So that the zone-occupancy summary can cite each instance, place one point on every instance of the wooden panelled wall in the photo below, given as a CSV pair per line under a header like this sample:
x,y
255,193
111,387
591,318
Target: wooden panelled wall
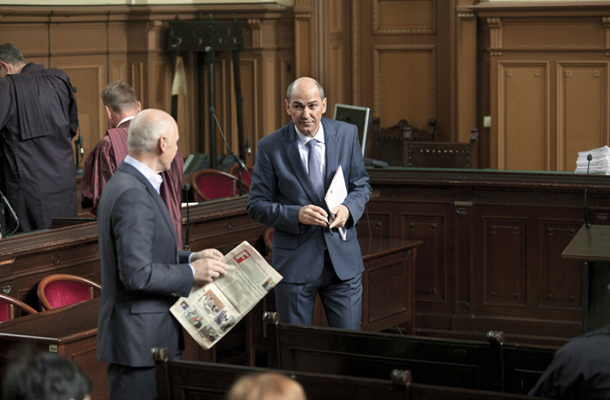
x,y
538,69
548,70
492,243
98,45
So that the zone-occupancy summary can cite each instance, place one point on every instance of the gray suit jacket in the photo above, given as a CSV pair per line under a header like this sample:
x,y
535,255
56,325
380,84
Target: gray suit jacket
x,y
142,272
281,186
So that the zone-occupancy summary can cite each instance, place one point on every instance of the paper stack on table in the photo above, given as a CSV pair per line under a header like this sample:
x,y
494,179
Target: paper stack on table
x,y
600,161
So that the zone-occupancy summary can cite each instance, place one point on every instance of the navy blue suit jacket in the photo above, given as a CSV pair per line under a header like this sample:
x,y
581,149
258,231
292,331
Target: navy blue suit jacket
x,y
142,272
281,186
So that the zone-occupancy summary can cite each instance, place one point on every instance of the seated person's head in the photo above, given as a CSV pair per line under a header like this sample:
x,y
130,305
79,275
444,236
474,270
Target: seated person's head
x,y
44,376
267,386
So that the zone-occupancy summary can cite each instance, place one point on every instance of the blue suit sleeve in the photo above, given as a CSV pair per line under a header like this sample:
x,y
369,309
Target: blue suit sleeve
x,y
263,206
135,227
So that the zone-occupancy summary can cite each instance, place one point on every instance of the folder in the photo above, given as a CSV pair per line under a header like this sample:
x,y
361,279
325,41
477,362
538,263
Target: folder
x,y
337,192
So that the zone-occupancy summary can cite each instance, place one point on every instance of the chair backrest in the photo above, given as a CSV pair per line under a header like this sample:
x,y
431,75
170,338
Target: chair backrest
x,y
389,142
442,154
246,177
60,290
8,305
212,184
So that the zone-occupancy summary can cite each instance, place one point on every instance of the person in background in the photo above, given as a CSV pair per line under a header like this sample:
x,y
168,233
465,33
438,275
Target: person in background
x,y
293,170
143,271
580,369
38,119
266,386
44,376
122,105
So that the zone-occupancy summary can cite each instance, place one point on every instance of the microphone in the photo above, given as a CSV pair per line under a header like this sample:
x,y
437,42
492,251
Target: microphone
x,y
587,222
187,246
6,204
241,164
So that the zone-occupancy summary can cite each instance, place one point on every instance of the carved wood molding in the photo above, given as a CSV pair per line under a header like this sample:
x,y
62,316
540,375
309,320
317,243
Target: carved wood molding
x,y
355,53
465,15
606,22
256,25
462,208
495,36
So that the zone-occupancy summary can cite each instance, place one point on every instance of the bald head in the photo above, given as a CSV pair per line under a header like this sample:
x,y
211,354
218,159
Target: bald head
x,y
306,82
153,139
305,103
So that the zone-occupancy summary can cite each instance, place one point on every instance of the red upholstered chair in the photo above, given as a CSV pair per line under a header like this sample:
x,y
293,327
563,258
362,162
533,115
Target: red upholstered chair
x,y
8,305
212,184
245,176
60,290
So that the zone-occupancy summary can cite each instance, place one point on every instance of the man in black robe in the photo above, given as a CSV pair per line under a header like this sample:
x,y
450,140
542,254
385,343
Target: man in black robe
x,y
38,119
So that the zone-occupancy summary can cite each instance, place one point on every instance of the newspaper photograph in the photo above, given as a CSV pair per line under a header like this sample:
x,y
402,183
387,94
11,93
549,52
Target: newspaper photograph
x,y
210,311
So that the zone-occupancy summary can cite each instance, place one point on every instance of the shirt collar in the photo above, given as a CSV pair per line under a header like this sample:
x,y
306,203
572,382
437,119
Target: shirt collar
x,y
155,179
125,120
303,139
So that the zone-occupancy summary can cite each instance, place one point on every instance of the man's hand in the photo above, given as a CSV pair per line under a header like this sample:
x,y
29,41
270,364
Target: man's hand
x,y
313,215
338,216
207,253
208,265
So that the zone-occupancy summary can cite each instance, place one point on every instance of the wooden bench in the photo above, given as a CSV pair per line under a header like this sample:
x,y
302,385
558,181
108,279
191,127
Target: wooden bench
x,y
189,380
484,365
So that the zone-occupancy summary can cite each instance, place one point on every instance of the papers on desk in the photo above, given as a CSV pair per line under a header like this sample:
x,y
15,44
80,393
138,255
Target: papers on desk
x,y
337,192
600,162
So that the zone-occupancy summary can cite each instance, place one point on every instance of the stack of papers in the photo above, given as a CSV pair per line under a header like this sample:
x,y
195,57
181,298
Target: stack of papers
x,y
600,161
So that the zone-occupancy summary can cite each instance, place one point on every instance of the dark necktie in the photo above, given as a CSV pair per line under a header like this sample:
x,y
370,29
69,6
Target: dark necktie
x,y
313,162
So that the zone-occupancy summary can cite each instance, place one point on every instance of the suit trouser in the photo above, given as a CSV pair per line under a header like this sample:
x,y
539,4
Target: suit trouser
x,y
129,383
342,300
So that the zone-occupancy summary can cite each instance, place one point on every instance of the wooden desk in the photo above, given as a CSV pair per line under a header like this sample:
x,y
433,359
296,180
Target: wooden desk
x,y
592,246
388,285
69,331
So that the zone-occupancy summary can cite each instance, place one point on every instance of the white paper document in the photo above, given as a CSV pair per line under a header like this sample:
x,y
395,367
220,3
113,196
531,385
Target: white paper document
x,y
337,192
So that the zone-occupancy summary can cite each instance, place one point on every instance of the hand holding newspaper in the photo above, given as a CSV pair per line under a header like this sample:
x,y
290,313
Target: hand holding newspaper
x,y
337,192
209,312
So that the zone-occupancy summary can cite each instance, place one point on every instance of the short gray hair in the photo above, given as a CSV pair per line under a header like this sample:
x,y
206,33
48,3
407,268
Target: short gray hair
x,y
145,130
291,86
10,54
119,96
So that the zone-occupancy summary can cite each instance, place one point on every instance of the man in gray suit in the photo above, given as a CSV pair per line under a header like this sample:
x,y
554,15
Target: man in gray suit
x,y
143,273
307,248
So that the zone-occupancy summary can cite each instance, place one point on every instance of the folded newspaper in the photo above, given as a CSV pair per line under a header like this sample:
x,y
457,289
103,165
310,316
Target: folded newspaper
x,y
209,312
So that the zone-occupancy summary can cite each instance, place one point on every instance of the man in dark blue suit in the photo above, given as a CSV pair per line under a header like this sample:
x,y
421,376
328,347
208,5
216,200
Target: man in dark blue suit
x,y
143,273
307,248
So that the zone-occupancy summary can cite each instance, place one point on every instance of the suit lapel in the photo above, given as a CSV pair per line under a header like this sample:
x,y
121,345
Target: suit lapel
x,y
153,193
331,138
294,158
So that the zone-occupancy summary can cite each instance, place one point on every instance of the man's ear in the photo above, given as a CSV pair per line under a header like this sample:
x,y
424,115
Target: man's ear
x,y
108,113
139,107
162,144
